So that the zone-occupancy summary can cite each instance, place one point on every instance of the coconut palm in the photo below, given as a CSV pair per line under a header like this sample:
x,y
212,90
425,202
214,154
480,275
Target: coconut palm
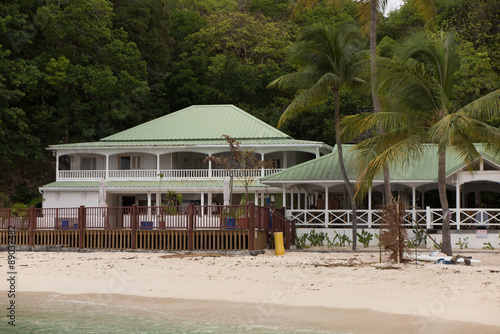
x,y
328,58
369,13
417,91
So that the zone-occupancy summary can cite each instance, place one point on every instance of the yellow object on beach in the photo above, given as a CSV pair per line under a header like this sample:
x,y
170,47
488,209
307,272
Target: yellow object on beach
x,y
278,243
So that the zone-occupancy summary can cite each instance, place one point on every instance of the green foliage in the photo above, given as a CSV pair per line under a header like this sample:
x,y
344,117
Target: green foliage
x,y
487,245
365,237
172,200
439,246
316,239
251,38
301,242
462,243
270,8
419,235
343,239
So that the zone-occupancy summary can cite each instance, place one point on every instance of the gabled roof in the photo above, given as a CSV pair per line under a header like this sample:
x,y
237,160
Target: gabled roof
x,y
201,122
326,168
201,125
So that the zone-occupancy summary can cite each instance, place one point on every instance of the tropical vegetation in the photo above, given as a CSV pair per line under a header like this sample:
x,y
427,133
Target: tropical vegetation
x,y
80,70
421,106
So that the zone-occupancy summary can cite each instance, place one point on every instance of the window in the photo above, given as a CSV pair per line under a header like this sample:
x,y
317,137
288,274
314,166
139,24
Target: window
x,y
88,164
130,162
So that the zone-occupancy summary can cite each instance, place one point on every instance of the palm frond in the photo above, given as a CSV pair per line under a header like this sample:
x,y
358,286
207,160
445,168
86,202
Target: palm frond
x,y
484,108
314,95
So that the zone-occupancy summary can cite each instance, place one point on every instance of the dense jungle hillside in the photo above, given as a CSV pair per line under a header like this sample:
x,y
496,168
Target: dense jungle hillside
x,y
80,70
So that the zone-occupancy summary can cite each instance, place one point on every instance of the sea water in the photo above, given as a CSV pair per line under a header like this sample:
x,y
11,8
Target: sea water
x,y
47,317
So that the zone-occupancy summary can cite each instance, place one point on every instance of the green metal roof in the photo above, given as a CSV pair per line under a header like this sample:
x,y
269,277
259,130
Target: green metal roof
x,y
166,143
326,167
165,185
200,122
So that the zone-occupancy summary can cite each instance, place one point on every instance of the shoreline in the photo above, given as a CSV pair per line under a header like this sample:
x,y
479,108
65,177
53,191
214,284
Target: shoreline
x,y
313,287
249,315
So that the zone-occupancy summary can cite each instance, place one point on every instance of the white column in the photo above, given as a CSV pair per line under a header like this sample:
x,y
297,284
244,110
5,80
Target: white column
x,y
256,199
299,206
209,165
149,206
285,160
457,215
262,169
414,203
317,152
284,196
209,195
107,166
57,166
202,202
370,208
158,164
326,208
291,198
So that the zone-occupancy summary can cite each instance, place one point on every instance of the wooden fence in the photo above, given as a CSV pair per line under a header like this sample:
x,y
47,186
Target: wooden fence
x,y
176,228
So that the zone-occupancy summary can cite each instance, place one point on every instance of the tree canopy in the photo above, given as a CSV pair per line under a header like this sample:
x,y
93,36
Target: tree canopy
x,y
80,70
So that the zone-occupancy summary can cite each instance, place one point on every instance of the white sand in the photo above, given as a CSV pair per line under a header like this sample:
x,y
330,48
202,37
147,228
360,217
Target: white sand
x,y
310,290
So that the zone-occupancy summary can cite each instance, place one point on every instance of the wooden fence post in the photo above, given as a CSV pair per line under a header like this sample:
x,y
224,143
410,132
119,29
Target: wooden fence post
x,y
82,220
287,234
32,223
294,232
190,226
133,225
251,227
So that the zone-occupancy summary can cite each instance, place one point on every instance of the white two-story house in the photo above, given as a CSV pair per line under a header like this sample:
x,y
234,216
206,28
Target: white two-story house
x,y
168,154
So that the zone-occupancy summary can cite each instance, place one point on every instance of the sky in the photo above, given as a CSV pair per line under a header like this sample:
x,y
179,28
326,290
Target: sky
x,y
393,4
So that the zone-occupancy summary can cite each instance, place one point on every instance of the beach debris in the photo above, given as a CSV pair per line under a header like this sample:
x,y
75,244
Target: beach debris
x,y
193,255
393,235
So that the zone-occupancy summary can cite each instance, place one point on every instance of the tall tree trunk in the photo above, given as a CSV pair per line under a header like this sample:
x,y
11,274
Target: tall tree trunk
x,y
376,101
446,238
350,189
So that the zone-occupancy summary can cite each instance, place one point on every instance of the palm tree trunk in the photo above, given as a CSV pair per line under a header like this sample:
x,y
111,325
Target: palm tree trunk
x,y
373,78
446,243
348,184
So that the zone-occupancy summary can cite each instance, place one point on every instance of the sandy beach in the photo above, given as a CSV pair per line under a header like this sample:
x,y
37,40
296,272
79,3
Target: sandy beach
x,y
332,291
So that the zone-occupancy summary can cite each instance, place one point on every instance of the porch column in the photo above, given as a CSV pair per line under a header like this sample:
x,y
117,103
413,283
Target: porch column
x,y
202,202
291,198
262,173
263,199
158,164
317,152
299,207
414,203
209,198
107,166
284,197
285,160
158,199
149,205
370,208
57,166
423,197
209,165
457,215
327,215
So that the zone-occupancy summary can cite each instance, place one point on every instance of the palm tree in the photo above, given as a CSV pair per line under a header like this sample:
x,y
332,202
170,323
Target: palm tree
x,y
328,58
417,91
369,13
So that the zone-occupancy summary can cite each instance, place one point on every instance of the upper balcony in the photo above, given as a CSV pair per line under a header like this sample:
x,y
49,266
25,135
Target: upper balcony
x,y
155,175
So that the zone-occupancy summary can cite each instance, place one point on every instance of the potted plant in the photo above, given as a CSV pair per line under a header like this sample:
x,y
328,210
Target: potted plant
x,y
170,208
